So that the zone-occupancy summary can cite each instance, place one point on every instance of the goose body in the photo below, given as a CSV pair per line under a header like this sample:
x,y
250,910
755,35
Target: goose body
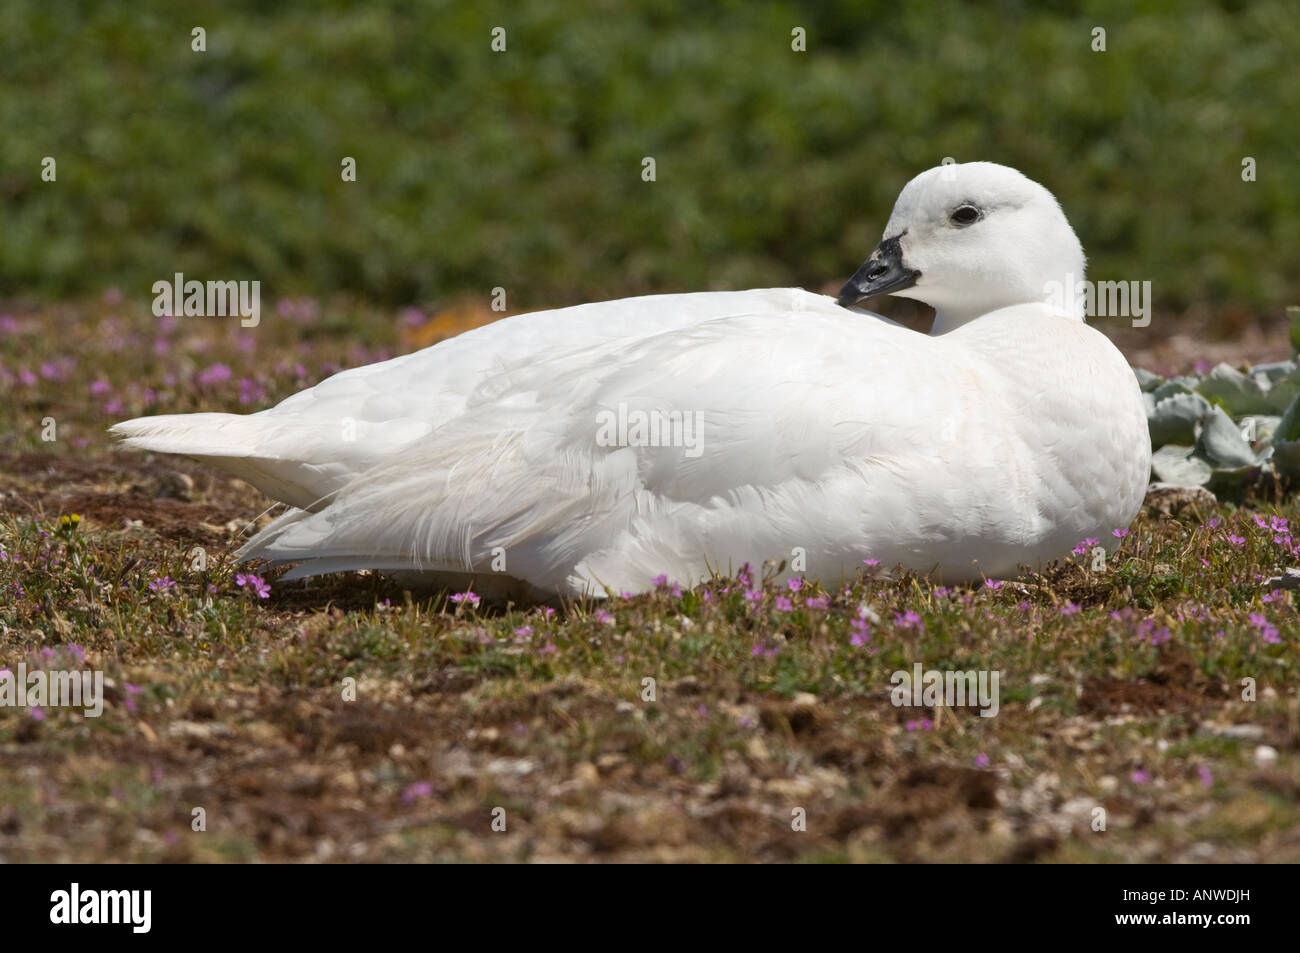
x,y
595,448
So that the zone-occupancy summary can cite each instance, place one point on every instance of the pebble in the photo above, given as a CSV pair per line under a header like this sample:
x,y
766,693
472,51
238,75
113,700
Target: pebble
x,y
1265,754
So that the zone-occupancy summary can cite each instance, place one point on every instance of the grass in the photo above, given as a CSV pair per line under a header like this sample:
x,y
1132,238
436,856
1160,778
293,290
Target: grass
x,y
346,719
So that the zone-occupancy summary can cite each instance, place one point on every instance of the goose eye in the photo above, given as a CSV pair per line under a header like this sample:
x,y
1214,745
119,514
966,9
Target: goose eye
x,y
965,215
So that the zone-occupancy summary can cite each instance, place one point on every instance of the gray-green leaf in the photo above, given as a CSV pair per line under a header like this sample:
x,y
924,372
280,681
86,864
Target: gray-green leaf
x,y
1147,381
1222,444
1174,419
1235,392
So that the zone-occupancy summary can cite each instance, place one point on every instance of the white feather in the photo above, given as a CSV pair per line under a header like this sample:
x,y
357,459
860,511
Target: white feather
x,y
826,435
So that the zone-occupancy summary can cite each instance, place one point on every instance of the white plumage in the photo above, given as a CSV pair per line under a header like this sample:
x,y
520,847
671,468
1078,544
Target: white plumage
x,y
822,435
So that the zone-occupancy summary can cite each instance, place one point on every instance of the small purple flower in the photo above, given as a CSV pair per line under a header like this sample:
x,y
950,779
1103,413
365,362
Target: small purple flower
x,y
1203,771
818,602
1160,636
794,583
416,790
1071,608
909,620
783,604
465,597
215,374
162,584
1267,631
1083,546
861,633
1140,777
1235,540
256,583
981,760
1119,533
250,391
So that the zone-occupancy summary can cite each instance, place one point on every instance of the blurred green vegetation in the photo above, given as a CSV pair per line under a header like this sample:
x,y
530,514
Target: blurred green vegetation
x,y
523,169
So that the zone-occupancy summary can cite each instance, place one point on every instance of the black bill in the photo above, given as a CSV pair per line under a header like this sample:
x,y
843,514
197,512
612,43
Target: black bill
x,y
881,274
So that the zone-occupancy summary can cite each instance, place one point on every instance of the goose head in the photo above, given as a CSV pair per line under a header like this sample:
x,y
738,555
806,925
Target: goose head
x,y
968,239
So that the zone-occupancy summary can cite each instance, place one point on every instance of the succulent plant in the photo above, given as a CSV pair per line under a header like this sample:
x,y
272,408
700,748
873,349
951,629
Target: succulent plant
x,y
1221,429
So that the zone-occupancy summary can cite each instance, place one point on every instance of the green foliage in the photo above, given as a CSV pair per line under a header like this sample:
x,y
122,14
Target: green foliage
x,y
523,168
1232,418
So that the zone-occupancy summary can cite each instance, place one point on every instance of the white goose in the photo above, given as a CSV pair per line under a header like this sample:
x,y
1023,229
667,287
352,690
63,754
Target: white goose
x,y
597,447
